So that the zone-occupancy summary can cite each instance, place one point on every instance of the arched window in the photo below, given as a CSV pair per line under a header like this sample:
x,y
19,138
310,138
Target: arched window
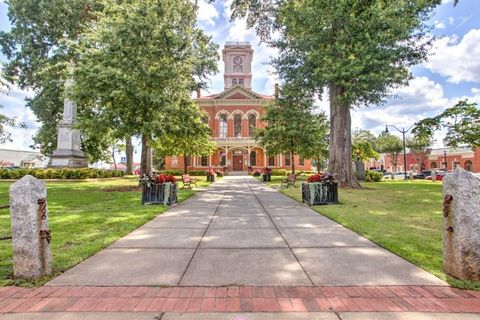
x,y
237,125
433,165
253,158
252,122
468,165
223,126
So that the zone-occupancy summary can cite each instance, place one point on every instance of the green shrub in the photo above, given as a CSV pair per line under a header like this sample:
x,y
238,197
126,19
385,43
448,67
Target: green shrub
x,y
83,173
373,176
197,173
173,172
279,172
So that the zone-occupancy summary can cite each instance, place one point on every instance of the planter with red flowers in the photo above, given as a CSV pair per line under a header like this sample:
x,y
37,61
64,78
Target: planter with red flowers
x,y
267,174
320,188
159,189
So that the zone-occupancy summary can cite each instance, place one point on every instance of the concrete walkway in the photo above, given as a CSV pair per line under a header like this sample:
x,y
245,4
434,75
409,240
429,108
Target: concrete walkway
x,y
241,233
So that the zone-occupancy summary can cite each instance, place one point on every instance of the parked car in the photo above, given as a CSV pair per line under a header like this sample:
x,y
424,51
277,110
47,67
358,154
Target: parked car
x,y
440,175
399,175
422,174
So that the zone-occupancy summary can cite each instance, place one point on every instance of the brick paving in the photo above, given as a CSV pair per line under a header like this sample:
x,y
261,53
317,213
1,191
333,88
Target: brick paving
x,y
239,299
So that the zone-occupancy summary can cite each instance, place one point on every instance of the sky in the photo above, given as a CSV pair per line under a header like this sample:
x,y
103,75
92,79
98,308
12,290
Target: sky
x,y
451,73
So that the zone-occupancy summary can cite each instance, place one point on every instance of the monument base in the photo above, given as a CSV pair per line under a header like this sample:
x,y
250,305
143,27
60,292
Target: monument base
x,y
67,159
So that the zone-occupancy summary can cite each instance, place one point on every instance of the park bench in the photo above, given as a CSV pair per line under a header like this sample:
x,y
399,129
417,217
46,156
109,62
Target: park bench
x,y
188,181
290,180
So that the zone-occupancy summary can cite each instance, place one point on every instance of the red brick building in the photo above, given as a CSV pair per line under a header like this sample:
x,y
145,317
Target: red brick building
x,y
233,115
463,157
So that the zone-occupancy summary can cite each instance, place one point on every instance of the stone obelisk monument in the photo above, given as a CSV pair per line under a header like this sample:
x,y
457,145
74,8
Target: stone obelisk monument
x,y
68,153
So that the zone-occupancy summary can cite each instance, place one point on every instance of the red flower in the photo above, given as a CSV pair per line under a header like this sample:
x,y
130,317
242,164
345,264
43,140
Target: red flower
x,y
319,177
162,178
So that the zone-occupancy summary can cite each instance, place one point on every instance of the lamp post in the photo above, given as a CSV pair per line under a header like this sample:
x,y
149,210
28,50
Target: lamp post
x,y
403,132
445,159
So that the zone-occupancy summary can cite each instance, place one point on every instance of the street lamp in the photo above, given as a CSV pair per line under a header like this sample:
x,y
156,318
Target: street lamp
x,y
403,131
445,159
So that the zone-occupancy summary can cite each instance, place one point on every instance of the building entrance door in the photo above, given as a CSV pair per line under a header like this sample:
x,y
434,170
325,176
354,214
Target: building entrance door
x,y
237,162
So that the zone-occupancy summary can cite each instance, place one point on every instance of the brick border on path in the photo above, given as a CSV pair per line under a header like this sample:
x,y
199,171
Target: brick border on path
x,y
239,299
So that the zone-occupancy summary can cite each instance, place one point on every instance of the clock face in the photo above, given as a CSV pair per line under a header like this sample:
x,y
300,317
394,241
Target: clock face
x,y
237,60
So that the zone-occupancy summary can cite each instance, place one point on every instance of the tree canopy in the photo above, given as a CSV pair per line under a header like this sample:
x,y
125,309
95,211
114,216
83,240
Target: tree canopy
x,y
391,145
359,50
292,128
461,123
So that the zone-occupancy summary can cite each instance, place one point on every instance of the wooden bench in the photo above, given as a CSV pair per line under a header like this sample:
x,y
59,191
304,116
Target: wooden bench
x,y
188,181
290,180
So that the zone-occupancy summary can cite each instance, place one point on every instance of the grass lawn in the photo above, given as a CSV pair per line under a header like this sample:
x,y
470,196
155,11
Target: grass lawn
x,y
84,218
404,217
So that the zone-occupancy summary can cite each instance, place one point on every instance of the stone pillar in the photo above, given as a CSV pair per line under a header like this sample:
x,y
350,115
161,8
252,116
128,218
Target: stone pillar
x,y
30,234
461,225
434,176
68,153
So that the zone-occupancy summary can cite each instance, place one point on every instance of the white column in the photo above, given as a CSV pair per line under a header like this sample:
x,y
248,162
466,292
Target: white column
x,y
265,158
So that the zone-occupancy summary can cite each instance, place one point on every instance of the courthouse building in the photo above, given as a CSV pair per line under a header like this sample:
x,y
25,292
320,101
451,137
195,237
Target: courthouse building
x,y
232,116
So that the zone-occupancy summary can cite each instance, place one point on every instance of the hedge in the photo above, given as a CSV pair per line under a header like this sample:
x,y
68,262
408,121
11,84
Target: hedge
x,y
83,173
197,172
373,176
174,172
279,172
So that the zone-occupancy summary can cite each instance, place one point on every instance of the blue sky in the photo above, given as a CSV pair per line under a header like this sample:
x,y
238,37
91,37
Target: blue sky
x,y
452,71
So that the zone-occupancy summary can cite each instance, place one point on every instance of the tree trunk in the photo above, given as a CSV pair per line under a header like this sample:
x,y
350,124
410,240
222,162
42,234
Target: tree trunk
x,y
129,155
146,161
113,158
185,166
340,151
292,160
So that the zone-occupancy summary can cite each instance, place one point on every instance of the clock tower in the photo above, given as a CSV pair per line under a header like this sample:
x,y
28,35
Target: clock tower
x,y
237,58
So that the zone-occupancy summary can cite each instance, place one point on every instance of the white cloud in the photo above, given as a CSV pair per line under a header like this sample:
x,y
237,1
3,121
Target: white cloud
x,y
451,20
13,102
440,25
207,12
459,61
421,98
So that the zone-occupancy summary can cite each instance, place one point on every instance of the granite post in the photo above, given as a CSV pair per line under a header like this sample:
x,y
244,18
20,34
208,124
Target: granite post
x,y
68,153
461,225
30,233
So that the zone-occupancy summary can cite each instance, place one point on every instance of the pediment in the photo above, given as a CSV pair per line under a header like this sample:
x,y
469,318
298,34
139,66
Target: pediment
x,y
237,93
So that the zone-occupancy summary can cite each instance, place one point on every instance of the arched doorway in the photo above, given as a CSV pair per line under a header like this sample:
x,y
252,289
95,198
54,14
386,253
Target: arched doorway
x,y
237,160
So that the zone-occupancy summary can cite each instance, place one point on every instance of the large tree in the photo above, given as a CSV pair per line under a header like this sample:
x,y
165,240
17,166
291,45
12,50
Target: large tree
x,y
137,63
292,128
187,135
461,123
359,50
